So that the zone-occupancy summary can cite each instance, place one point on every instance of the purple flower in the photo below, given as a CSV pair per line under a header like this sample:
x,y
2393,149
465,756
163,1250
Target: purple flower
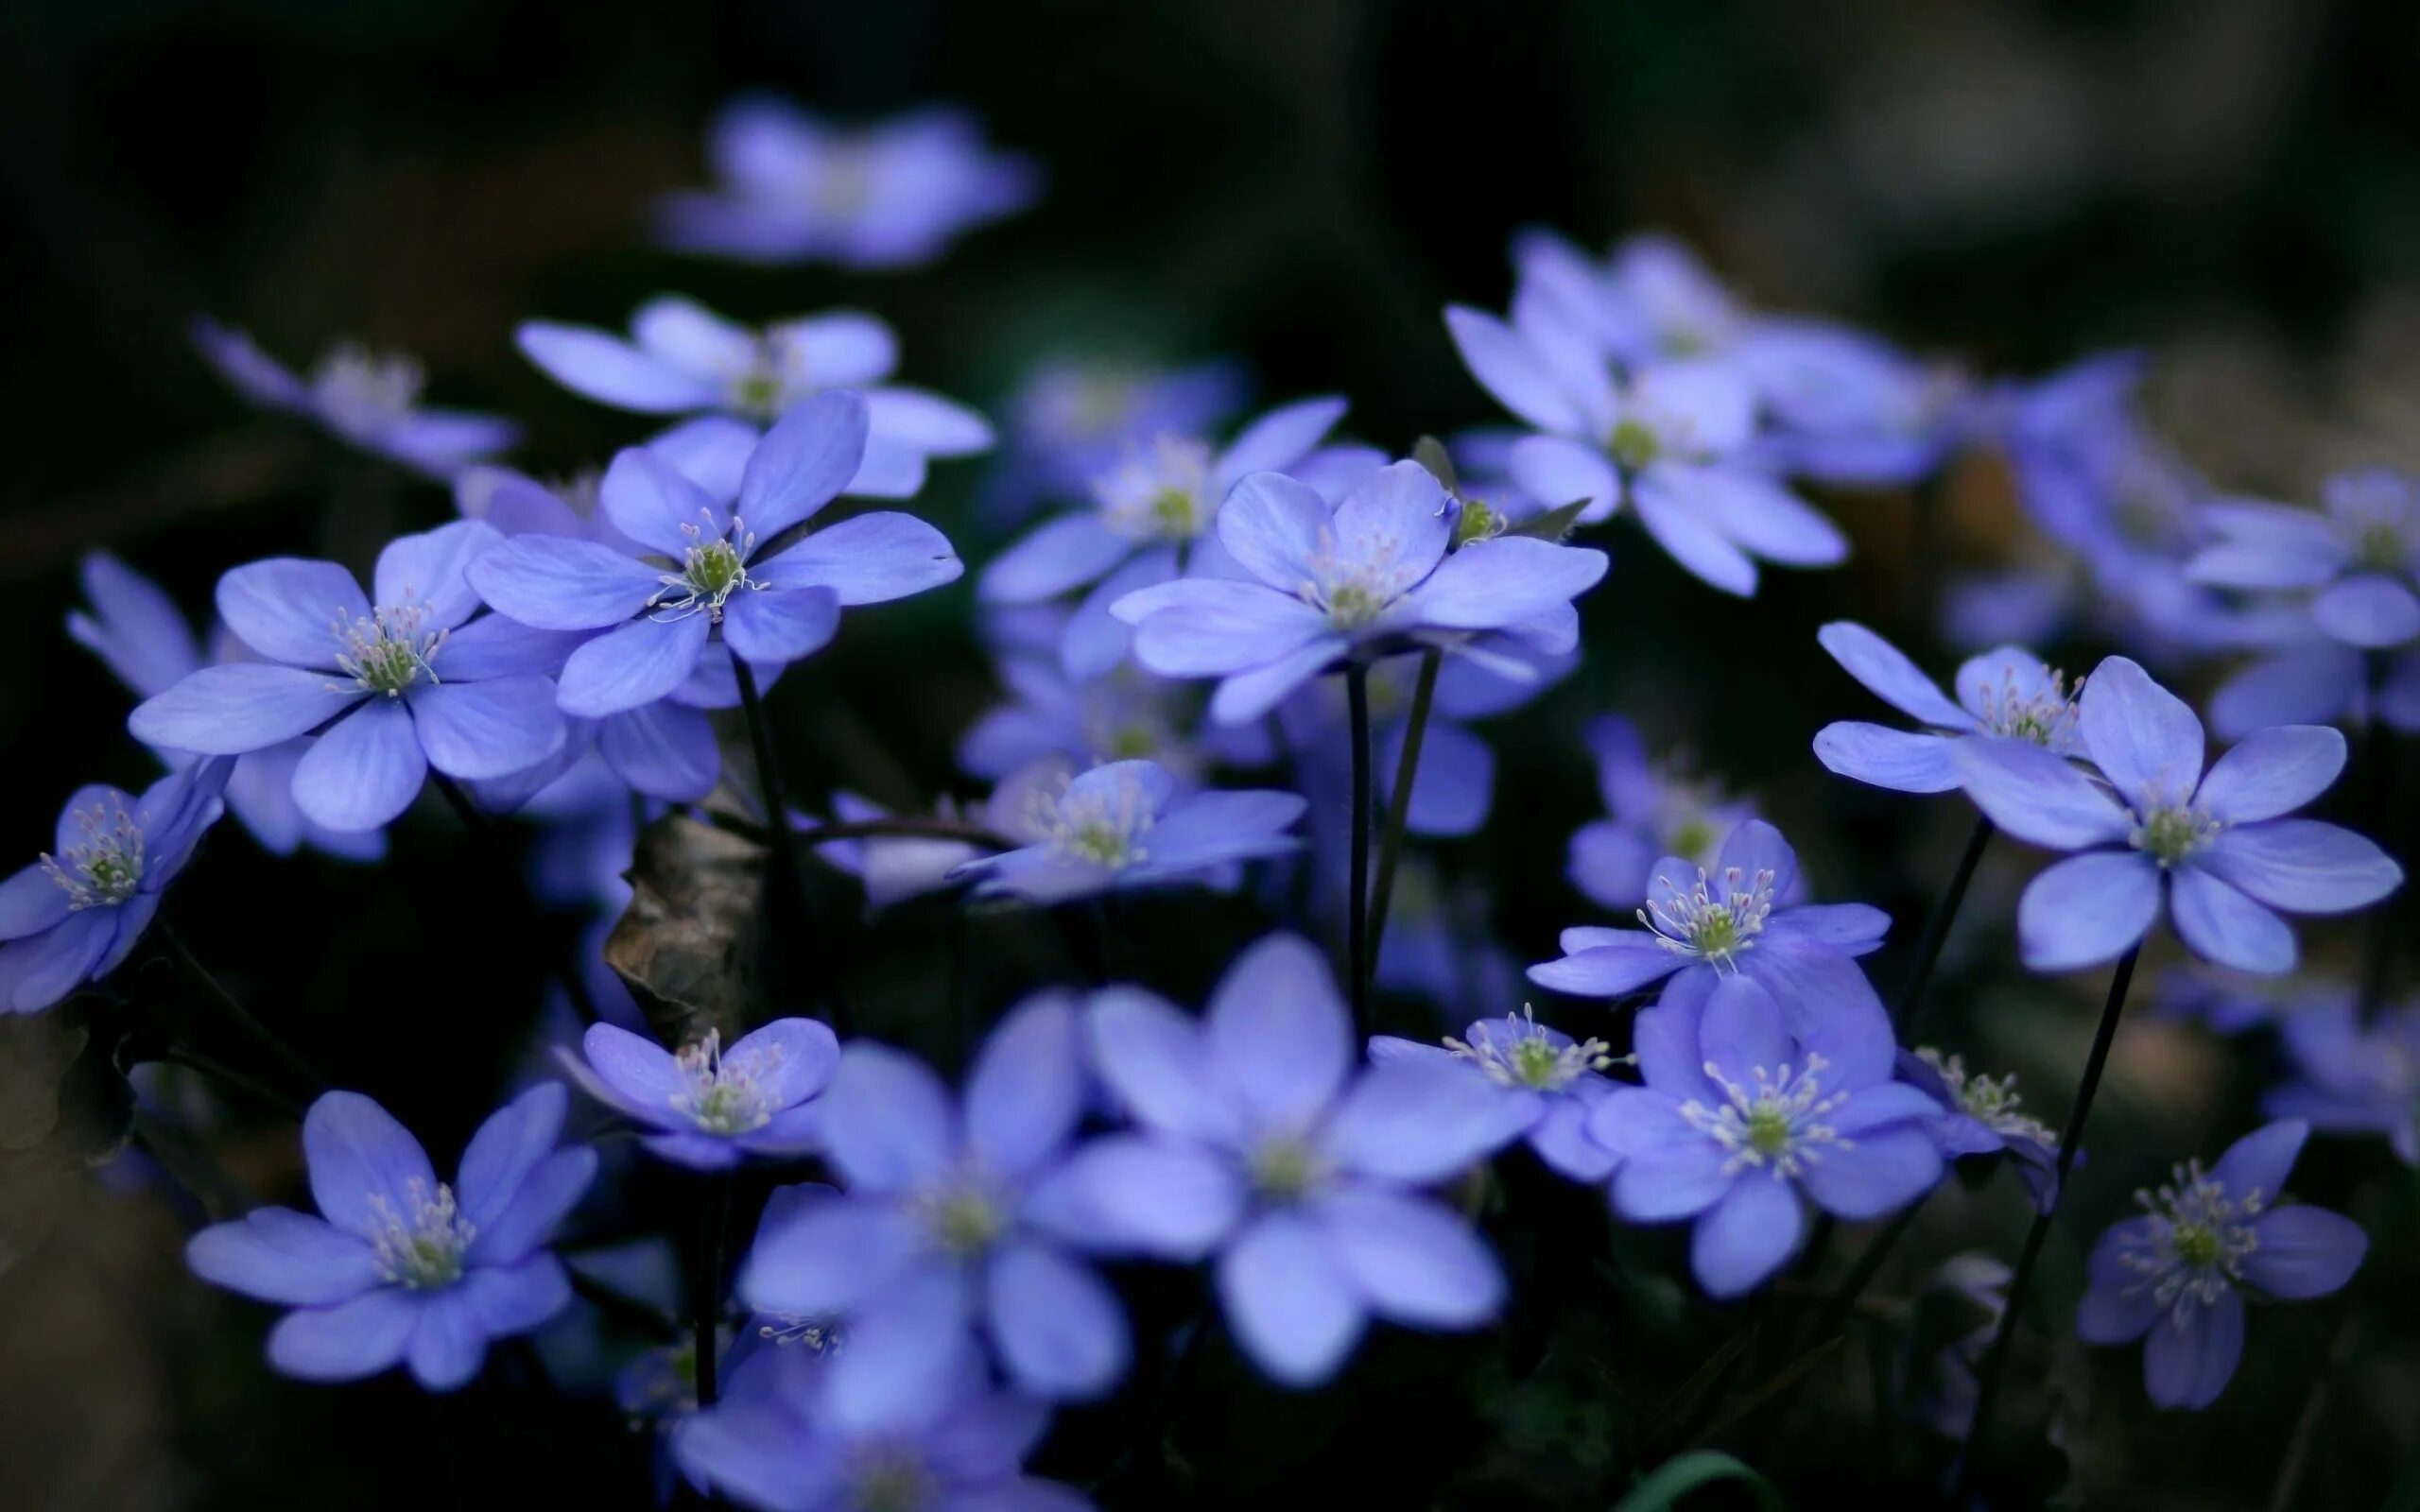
x,y
388,691
1739,1116
1658,811
683,359
956,1215
2350,1078
2303,677
2007,695
1979,1117
1072,418
1123,713
2231,1003
797,189
2179,1272
2215,846
139,634
1362,579
72,917
1126,825
1546,1081
402,1268
894,868
1258,1143
2356,561
709,1106
770,607
368,400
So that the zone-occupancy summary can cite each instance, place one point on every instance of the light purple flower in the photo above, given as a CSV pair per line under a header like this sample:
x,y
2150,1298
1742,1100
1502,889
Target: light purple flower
x,y
2356,561
368,400
2303,677
1258,1143
402,1268
956,1216
1073,417
1740,1117
2179,1273
1979,1116
797,189
2351,1078
1656,811
2008,695
1546,1081
2215,846
1126,825
708,1107
387,692
1362,579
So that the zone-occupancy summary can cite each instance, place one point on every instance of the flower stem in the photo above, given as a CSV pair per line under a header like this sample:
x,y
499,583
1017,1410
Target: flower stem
x,y
2297,1455
785,839
286,1057
476,820
2377,754
1944,913
1399,812
705,1285
1356,898
1995,1366
1869,1265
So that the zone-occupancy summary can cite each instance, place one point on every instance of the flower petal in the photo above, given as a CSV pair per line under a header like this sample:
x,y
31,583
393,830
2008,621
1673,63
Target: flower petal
x,y
2036,796
1063,554
1491,584
2301,866
1890,676
890,1126
2274,771
1895,759
1880,1171
1680,525
2223,926
365,1168
447,1344
1629,959
2144,738
241,707
364,771
867,559
1276,528
1154,1059
630,667
1767,519
2088,909
278,1255
1418,1121
1562,471
560,583
1510,369
780,624
1747,1236
1414,1261
1291,1303
605,367
802,463
428,569
1153,1197
2260,1162
1278,1038
1024,1093
348,1341
2370,610
664,751
510,1144
291,609
830,1257
1278,440
490,729
2191,1356
1058,1326
2304,1252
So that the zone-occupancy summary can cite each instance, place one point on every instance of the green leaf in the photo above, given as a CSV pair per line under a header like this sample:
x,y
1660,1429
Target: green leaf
x,y
1430,453
1683,1473
1552,525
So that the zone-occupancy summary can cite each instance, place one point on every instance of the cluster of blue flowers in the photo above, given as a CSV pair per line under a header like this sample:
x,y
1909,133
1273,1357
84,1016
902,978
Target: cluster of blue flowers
x,y
574,651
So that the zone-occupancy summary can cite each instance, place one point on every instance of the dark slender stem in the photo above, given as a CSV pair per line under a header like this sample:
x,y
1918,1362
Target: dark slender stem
x,y
218,1070
2377,754
566,970
1356,898
1399,812
1944,913
783,838
1868,1266
293,1064
645,1316
706,1292
908,826
1994,1368
2289,1470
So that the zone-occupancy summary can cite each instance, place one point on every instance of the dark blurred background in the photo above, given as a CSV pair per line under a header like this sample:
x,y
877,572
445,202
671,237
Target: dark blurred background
x,y
2233,183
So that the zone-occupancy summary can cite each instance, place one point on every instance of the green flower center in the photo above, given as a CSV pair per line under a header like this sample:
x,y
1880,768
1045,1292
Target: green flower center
x,y
1134,742
1536,1063
2197,1245
1476,522
387,652
713,568
1173,512
1692,837
2168,836
1769,1130
1351,605
421,1248
890,1486
2381,547
1285,1169
965,1222
759,393
1633,445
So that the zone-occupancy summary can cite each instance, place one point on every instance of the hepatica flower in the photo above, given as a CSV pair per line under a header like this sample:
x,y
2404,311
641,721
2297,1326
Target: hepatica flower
x,y
72,917
2177,1275
1258,1142
736,571
1074,418
683,359
2352,1080
2357,560
2005,695
951,1221
1367,576
402,1268
1656,811
708,1107
391,689
795,188
1739,1119
1126,825
2214,845
1547,1082
367,399
1981,1115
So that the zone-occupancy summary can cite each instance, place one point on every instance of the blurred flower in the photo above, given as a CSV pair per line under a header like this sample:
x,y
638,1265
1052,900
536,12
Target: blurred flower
x,y
1658,811
365,399
366,681
1546,1081
708,1107
683,359
72,917
894,868
2351,1078
1739,1116
2008,693
1362,579
2215,846
1073,419
403,1270
797,189
2230,1003
1260,1143
1980,1117
1124,825
1979,1282
2179,1273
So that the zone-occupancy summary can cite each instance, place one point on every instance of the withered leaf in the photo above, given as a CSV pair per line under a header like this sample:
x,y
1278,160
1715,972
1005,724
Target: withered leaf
x,y
687,944
36,1052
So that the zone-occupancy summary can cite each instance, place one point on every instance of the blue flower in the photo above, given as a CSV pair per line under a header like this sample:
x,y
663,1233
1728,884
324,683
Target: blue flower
x,y
1124,825
797,189
771,607
72,917
2301,675
1260,1143
1072,418
2350,1078
1363,578
2231,1003
1740,1117
1979,1117
2215,844
2008,693
956,1216
683,359
897,868
367,399
402,1268
2180,1272
388,691
708,1107
1656,811
139,634
1547,1082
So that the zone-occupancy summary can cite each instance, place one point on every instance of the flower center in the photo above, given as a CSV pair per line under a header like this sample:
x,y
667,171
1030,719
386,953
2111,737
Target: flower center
x,y
721,1096
1158,493
2381,547
1476,522
1778,1123
2192,1251
964,1219
2172,831
1714,930
421,1248
1523,1055
1633,444
1285,1169
362,392
714,568
1990,1101
2046,716
107,868
1101,824
387,652
1352,582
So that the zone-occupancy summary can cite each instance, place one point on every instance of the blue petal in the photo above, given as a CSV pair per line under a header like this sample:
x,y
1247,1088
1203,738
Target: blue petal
x,y
1510,369
892,1126
2037,797
1895,759
560,583
279,1255
802,463
1058,1326
2301,866
365,1168
1491,584
780,624
2191,1356
610,370
2371,610
1890,676
348,1341
649,500
1025,1090
2088,909
1276,529
509,1146
633,666
242,707
871,559
1278,1037
365,770
447,1344
1413,1261
2274,771
1293,1309
2223,926
2144,738
1745,1239
482,729
291,609
1061,555
663,749
429,570
135,628
2304,1252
